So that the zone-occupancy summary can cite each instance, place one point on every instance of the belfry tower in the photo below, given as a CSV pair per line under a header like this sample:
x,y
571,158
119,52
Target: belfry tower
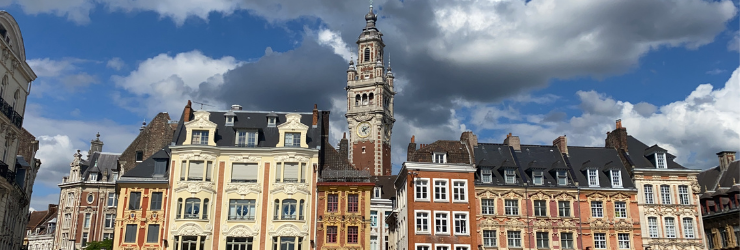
x,y
370,102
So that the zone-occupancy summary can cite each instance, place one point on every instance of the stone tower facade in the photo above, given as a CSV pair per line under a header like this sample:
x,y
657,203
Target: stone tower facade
x,y
370,103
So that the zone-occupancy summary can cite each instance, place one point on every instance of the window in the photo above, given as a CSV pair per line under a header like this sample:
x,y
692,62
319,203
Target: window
x,y
160,166
156,201
440,157
488,206
566,240
246,138
107,236
459,247
513,239
562,177
86,223
593,178
352,235
332,203
331,234
670,228
205,209
440,222
597,209
620,209
289,209
179,208
366,57
489,238
458,190
540,208
277,210
542,240
440,190
510,176
653,227
486,176
130,233
422,189
111,199
85,237
292,139
195,171
352,203
192,208
239,243
422,222
564,208
300,209
600,240
511,207
90,198
191,242
688,228
292,172
442,247
271,121
616,178
241,209
538,177
244,172
648,194
110,220
139,156
683,195
660,160
624,241
376,192
374,218
134,201
152,233
70,199
93,177
422,247
665,194
199,137
461,223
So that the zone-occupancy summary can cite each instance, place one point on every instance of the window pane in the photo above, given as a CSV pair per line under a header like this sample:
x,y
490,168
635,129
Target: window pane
x,y
130,233
156,201
152,233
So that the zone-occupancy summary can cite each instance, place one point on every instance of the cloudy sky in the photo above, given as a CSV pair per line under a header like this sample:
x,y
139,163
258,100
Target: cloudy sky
x,y
537,69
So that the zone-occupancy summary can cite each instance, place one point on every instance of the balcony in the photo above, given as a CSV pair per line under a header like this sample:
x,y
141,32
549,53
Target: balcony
x,y
9,112
6,173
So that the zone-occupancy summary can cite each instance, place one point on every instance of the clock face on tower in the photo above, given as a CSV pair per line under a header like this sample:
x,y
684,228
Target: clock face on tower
x,y
363,129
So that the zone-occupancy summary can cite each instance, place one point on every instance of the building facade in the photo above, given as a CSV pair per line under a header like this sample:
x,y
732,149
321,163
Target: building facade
x,y
16,174
40,229
720,202
244,180
668,194
343,209
381,206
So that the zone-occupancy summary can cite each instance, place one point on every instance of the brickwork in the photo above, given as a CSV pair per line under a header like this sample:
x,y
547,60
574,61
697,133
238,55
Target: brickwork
x,y
142,217
342,218
157,134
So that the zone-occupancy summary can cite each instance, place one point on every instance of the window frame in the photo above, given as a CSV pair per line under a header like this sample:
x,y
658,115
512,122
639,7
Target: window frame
x,y
545,240
649,194
562,175
623,243
465,220
446,221
492,237
568,239
539,209
331,234
456,189
597,211
602,239
237,204
352,238
441,190
510,239
439,157
135,234
293,139
538,175
137,204
616,177
148,233
419,226
669,228
486,175
513,209
622,209
684,197
661,160
353,203
203,137
689,231
488,209
332,203
159,202
561,209
109,222
593,177
419,184
665,195
653,228
509,172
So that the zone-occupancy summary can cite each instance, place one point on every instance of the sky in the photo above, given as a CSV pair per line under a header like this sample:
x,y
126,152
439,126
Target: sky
x,y
537,69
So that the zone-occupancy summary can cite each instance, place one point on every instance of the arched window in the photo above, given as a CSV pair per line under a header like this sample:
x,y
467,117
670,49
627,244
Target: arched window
x,y
192,208
367,55
357,100
364,99
371,97
289,209
205,209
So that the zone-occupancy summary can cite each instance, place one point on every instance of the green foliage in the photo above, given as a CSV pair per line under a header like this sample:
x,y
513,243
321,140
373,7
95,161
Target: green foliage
x,y
99,245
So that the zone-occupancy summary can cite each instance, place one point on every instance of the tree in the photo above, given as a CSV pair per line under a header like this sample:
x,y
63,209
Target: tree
x,y
99,245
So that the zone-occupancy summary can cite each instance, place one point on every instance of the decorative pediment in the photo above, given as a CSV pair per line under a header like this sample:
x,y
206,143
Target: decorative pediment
x,y
600,224
292,122
564,196
201,121
243,188
198,156
516,224
542,224
291,158
195,187
620,196
189,229
244,158
289,230
539,195
596,196
623,225
486,194
512,194
241,231
290,188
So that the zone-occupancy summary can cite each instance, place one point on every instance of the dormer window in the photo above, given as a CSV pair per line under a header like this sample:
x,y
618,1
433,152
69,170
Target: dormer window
x,y
660,161
271,121
245,138
139,156
159,167
486,176
593,178
94,177
376,193
440,157
616,178
200,137
229,121
292,139
510,176
538,177
562,177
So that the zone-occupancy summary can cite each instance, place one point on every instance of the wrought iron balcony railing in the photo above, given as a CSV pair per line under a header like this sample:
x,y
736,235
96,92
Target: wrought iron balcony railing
x,y
15,118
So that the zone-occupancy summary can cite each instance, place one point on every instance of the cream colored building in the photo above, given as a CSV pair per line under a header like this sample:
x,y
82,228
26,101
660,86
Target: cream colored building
x,y
244,180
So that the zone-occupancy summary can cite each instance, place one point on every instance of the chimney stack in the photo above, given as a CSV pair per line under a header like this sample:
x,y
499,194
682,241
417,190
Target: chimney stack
x,y
344,146
412,149
236,107
186,112
513,141
469,138
617,138
315,115
725,158
562,143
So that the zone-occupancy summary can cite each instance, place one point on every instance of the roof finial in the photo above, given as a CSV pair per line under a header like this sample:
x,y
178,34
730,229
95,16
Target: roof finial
x,y
371,4
389,61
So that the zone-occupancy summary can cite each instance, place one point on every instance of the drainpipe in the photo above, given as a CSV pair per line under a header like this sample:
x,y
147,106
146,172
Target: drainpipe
x,y
526,212
580,223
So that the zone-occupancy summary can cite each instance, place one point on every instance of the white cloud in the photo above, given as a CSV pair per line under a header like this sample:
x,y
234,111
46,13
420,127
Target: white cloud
x,y
41,203
334,40
65,72
115,63
46,67
734,43
716,71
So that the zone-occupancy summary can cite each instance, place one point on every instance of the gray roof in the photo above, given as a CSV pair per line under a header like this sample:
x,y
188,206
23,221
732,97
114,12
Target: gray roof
x,y
641,155
99,162
601,158
386,185
713,178
145,169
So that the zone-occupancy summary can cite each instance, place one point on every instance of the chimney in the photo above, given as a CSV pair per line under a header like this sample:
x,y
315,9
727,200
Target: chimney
x,y
186,112
469,138
95,145
562,143
412,149
315,115
617,138
513,141
344,146
725,158
236,107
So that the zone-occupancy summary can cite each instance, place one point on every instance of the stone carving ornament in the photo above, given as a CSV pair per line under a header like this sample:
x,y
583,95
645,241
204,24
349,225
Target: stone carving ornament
x,y
195,187
289,230
241,231
291,158
205,157
244,158
243,188
191,229
291,188
363,118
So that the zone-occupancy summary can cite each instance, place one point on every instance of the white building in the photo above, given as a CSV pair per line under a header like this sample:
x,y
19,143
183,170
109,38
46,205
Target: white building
x,y
381,206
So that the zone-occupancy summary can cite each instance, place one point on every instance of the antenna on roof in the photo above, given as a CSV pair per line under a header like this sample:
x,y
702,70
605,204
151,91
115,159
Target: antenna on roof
x,y
202,104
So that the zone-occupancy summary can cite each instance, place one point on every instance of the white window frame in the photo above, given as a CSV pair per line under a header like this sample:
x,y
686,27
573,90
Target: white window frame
x,y
417,182
456,189
570,214
439,157
507,206
546,240
538,175
486,175
684,197
622,209
653,231
670,228
660,160
616,177
649,195
428,221
688,228
593,177
600,240
563,176
377,192
623,243
94,177
466,220
461,247
112,221
428,246
488,210
443,190
508,238
597,211
495,238
442,246
510,173
86,221
535,210
447,222
111,197
665,195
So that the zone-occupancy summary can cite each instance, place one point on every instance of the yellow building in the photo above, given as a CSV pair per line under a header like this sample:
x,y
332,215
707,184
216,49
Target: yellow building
x,y
244,180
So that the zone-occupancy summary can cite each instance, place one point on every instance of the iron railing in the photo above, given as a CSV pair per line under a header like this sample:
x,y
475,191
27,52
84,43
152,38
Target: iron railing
x,y
8,110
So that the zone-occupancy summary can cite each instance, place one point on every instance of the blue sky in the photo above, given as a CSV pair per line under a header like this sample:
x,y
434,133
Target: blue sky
x,y
535,69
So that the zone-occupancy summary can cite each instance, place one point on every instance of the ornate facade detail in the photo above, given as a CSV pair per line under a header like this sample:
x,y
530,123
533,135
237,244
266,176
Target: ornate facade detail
x,y
291,188
288,230
244,158
363,118
191,229
599,224
291,158
198,156
241,231
292,122
243,188
195,187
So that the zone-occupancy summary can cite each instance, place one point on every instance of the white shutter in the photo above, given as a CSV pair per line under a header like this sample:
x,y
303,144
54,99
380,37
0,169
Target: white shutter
x,y
251,171
196,170
291,171
244,171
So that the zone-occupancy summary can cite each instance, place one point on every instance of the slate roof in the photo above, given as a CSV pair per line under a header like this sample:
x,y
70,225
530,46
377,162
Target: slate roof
x,y
456,151
641,154
99,162
268,136
602,158
40,219
336,167
144,171
713,179
386,185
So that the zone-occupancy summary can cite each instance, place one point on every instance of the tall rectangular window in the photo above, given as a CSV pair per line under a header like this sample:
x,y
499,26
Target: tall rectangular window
x,y
458,190
130,236
290,209
688,228
246,138
624,241
511,207
597,209
461,223
665,194
562,177
489,238
373,218
564,208
683,194
422,189
156,201
653,227
110,220
244,172
620,209
196,170
238,243
486,176
440,190
670,227
160,167
600,240
538,177
510,176
487,206
542,240
514,239
593,178
134,202
199,137
331,234
111,199
332,203
660,161
292,172
85,238
540,208
566,240
86,223
422,222
242,209
440,223
616,178
352,203
648,194
292,139
152,233
352,235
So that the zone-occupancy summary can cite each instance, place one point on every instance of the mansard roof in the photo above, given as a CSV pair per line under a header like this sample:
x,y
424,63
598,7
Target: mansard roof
x,y
144,171
99,162
336,168
713,179
641,154
386,185
457,152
